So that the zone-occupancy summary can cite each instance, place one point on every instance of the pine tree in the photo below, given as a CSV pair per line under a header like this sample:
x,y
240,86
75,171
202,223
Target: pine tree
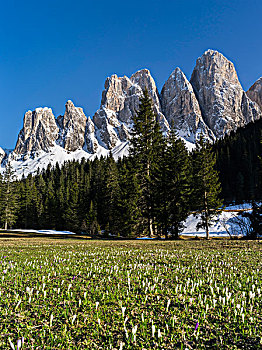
x,y
71,211
178,183
92,226
28,205
206,185
97,184
142,153
255,219
50,204
8,203
158,182
111,196
129,211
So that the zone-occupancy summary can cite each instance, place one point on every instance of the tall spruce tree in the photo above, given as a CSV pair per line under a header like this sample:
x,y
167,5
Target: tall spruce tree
x,y
92,226
129,210
71,212
255,221
178,186
111,197
206,185
159,184
8,200
142,151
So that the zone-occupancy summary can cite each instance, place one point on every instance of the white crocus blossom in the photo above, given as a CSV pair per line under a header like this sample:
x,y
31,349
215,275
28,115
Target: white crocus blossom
x,y
11,344
51,319
123,311
153,330
159,335
73,319
168,304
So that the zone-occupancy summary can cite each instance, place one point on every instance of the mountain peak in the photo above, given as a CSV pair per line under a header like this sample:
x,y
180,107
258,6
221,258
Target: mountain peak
x,y
72,128
141,72
255,92
38,134
224,104
211,52
181,108
143,78
69,103
178,76
42,109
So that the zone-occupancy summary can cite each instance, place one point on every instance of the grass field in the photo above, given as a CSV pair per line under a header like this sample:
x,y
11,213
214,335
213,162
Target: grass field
x,y
84,294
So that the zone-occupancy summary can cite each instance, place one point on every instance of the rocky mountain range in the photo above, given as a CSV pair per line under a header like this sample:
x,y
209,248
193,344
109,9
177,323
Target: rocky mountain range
x,y
212,103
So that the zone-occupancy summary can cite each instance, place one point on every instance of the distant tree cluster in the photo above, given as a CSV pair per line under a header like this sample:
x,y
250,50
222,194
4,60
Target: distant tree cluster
x,y
150,192
239,165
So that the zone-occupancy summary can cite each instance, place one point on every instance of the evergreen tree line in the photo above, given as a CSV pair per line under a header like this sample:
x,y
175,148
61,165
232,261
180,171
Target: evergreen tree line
x,y
239,164
150,192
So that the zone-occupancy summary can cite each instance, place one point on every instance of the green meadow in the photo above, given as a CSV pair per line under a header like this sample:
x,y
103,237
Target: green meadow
x,y
82,294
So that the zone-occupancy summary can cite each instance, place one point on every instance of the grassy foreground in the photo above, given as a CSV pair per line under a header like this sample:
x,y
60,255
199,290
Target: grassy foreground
x,y
73,294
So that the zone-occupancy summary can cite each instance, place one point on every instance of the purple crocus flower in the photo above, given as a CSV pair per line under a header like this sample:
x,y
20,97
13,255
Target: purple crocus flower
x,y
196,327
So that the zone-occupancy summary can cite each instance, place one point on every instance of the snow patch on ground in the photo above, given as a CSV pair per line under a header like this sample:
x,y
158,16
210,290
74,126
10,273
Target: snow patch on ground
x,y
46,232
224,225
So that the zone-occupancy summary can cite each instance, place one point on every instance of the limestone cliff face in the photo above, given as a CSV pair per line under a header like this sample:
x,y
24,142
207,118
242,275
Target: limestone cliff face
x,y
144,80
255,92
72,127
112,103
2,154
224,104
181,108
91,143
120,101
39,132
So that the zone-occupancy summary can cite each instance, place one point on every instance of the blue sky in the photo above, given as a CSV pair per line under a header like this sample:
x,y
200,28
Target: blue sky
x,y
55,50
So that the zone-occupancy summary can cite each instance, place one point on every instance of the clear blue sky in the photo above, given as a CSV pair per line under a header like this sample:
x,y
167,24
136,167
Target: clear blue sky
x,y
54,50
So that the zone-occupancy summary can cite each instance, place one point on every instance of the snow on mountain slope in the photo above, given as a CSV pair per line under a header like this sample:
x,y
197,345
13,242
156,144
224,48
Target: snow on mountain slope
x,y
59,155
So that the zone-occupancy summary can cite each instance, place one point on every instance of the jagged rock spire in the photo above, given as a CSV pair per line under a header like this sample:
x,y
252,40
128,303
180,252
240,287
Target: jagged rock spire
x,y
120,101
72,127
255,92
224,104
180,106
39,132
